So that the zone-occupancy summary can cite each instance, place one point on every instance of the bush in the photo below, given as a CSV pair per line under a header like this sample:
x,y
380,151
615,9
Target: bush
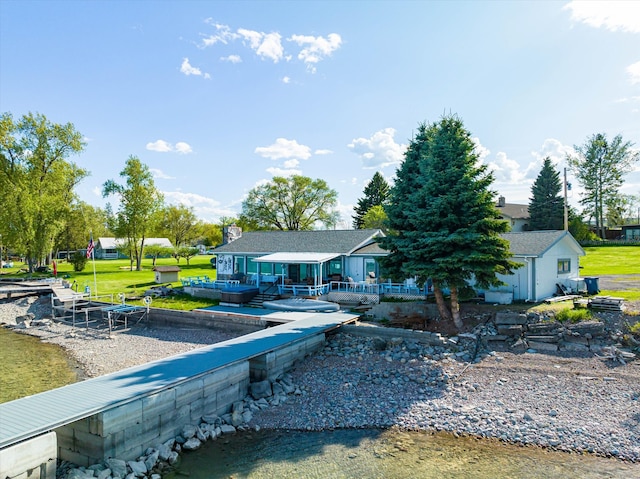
x,y
79,261
635,329
573,315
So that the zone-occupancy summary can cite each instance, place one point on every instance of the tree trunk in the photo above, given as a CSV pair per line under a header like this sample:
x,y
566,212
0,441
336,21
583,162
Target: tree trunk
x,y
455,308
442,306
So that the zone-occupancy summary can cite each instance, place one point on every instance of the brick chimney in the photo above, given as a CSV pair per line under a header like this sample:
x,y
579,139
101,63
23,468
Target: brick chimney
x,y
501,201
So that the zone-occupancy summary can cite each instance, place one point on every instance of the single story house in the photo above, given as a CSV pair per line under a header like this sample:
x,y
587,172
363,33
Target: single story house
x,y
106,248
548,258
318,257
315,257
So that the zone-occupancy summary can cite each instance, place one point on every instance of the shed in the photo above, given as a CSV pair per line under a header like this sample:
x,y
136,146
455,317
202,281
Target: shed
x,y
166,274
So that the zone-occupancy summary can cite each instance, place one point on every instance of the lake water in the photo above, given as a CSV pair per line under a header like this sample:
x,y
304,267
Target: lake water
x,y
28,366
386,454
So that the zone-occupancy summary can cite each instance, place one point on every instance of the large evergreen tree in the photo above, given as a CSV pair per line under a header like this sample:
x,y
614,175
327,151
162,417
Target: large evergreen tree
x,y
443,215
600,166
546,208
375,194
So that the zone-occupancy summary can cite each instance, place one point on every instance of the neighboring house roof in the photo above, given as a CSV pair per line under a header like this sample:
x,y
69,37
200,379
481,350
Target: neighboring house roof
x,y
537,243
342,242
112,243
514,211
372,249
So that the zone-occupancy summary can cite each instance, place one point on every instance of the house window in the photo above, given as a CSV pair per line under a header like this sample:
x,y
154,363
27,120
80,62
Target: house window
x,y
564,266
252,266
238,264
334,266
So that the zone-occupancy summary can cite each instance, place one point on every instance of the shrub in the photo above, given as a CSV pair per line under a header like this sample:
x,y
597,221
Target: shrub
x,y
79,261
635,329
573,315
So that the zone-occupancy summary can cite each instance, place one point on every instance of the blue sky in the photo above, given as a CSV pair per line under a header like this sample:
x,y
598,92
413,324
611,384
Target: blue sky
x,y
217,97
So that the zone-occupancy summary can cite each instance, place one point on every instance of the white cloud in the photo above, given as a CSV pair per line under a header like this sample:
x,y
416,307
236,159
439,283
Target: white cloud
x,y
286,80
285,172
612,15
266,45
187,69
380,150
162,146
160,174
183,148
322,152
223,35
231,59
204,208
634,72
554,149
315,49
284,148
480,150
506,170
293,163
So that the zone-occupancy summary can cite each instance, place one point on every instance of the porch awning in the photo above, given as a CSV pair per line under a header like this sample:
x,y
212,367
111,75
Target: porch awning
x,y
296,258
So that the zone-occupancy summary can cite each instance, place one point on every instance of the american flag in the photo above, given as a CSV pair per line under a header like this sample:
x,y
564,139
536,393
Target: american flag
x,y
90,248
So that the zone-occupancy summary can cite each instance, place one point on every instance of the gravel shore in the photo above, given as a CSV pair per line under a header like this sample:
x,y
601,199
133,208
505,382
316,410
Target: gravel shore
x,y
581,404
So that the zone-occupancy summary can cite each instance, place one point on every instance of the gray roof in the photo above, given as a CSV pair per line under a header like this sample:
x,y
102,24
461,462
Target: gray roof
x,y
537,243
512,210
342,242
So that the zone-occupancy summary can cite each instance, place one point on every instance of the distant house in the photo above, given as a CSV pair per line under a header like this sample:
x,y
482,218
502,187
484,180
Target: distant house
x,y
631,232
106,248
301,255
548,258
516,215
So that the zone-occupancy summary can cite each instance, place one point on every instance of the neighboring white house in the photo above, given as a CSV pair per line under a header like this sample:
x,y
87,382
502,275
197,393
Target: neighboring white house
x,y
106,248
548,258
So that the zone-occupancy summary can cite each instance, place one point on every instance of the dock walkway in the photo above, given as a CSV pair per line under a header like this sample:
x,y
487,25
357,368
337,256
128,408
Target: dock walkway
x,y
30,416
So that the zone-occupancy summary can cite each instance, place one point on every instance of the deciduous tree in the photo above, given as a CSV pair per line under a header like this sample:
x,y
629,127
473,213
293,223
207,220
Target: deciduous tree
x,y
546,207
37,182
442,211
600,166
139,202
293,203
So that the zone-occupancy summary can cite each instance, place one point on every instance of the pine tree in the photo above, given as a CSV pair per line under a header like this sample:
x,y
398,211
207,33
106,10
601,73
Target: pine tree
x,y
546,208
375,194
442,210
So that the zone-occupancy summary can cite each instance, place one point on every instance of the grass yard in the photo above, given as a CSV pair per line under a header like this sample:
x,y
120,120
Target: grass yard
x,y
607,260
114,276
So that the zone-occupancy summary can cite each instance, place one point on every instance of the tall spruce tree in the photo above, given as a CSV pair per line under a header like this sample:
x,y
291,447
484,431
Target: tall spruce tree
x,y
443,215
375,194
546,208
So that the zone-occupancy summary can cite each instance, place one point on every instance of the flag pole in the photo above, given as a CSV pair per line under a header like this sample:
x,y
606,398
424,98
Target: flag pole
x,y
91,251
95,281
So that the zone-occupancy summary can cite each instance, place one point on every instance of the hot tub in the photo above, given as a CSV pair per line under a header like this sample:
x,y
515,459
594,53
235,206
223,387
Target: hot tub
x,y
238,294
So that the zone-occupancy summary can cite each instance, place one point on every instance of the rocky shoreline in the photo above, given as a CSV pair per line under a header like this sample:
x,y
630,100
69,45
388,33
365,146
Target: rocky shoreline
x,y
569,401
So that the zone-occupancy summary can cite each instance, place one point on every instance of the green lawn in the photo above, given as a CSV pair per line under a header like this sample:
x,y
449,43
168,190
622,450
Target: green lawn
x,y
114,276
610,260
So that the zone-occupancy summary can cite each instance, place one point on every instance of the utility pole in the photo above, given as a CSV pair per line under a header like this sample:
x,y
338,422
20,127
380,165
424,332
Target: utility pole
x,y
566,207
